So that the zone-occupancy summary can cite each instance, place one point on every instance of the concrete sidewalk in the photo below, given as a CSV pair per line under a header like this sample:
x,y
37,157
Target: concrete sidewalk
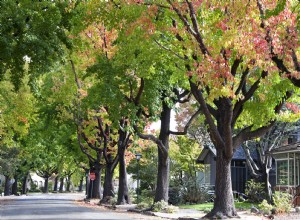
x,y
183,214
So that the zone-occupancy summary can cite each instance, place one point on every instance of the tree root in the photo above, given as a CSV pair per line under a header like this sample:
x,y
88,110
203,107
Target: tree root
x,y
220,215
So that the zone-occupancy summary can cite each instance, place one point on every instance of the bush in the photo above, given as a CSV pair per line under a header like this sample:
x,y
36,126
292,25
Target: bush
x,y
174,195
206,210
171,209
255,191
265,207
163,206
34,187
142,205
282,202
147,196
192,192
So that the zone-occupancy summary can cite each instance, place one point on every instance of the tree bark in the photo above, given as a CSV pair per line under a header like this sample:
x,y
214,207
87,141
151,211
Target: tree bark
x,y
68,183
46,185
123,192
87,183
24,183
108,186
267,185
7,186
55,184
163,168
14,189
94,191
80,187
61,184
224,201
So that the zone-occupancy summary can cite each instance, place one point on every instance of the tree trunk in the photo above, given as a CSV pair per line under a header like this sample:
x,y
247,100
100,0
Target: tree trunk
x,y
123,193
55,184
14,189
80,188
46,185
87,182
108,186
224,202
95,186
61,184
7,186
268,189
24,184
162,186
68,180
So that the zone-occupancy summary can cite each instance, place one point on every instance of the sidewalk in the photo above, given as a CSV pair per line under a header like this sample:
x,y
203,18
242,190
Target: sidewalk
x,y
181,214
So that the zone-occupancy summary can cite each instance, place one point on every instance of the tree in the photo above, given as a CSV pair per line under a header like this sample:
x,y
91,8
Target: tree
x,y
34,31
98,41
15,118
271,140
185,184
145,98
235,58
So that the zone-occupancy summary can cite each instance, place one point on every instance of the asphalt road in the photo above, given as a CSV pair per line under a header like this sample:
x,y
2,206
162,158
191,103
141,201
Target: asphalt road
x,y
52,206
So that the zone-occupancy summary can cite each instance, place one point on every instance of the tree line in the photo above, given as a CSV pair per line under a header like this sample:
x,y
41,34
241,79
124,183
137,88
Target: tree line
x,y
83,80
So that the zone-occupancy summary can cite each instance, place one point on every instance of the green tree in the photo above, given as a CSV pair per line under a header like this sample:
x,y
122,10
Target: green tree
x,y
35,31
235,54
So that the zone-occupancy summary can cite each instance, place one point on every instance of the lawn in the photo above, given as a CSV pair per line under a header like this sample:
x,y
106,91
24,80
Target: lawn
x,y
209,205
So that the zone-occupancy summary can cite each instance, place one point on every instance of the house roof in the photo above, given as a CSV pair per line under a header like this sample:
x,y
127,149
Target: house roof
x,y
206,150
239,154
295,147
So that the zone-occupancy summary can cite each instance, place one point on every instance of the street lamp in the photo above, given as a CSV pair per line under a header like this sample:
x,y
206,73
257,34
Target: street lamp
x,y
138,156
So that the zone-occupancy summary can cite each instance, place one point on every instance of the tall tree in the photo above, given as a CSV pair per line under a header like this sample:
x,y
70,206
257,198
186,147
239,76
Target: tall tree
x,y
35,31
235,54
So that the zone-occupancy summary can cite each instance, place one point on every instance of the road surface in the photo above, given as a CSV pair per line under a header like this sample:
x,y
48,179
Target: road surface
x,y
54,207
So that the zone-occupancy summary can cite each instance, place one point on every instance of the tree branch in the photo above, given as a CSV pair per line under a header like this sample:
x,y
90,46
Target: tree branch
x,y
214,133
197,34
152,138
237,110
140,92
186,127
168,49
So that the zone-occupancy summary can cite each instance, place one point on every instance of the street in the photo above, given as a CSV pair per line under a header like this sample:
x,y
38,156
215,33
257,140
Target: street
x,y
52,206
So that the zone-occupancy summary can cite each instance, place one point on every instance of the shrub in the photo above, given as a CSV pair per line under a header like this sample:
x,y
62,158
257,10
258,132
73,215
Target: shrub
x,y
282,202
255,191
265,207
142,205
174,195
163,206
192,192
113,201
160,206
147,196
206,210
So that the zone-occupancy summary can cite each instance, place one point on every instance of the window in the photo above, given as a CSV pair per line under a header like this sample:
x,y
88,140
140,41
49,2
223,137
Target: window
x,y
287,172
207,173
204,177
282,172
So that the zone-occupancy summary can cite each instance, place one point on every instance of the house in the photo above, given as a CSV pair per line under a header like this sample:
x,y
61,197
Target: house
x,y
239,172
287,159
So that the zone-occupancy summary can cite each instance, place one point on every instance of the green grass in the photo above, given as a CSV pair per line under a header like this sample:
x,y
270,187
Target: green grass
x,y
209,205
